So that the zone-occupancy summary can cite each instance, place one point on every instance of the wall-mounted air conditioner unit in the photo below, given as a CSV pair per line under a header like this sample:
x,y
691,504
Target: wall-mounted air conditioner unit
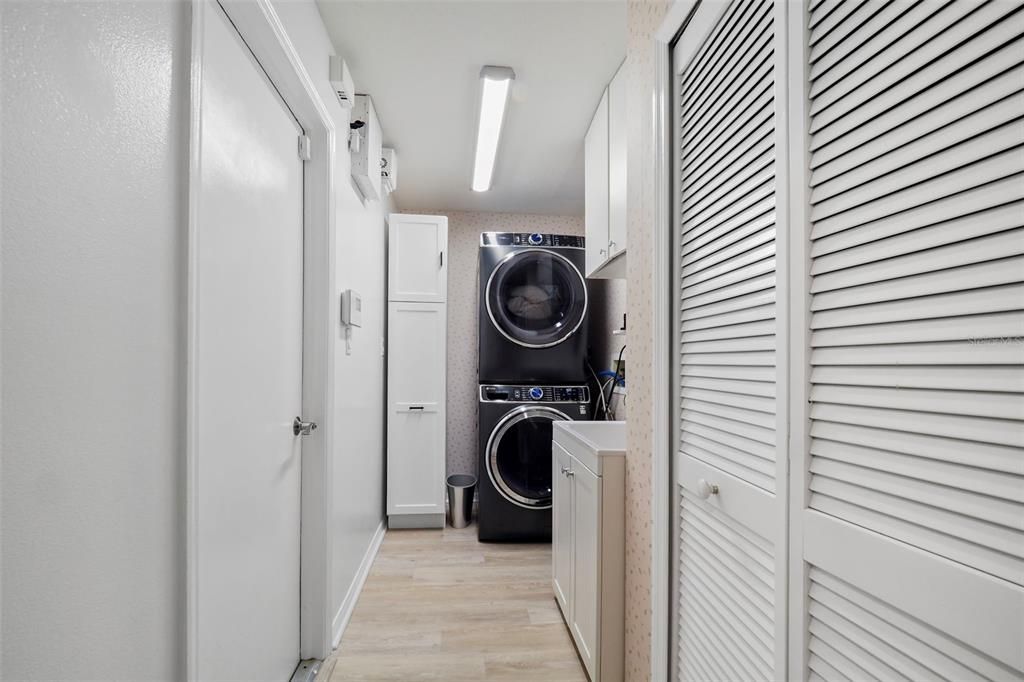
x,y
365,146
389,169
341,81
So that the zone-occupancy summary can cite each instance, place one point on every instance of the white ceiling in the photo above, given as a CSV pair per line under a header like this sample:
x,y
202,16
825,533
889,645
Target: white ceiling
x,y
420,61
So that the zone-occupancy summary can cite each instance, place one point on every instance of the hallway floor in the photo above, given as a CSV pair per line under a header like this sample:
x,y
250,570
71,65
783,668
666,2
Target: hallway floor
x,y
438,605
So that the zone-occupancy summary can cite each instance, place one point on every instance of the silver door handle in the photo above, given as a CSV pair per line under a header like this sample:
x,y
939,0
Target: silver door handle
x,y
565,470
301,428
570,474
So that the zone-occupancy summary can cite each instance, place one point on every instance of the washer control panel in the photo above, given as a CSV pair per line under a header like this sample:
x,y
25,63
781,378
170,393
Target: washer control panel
x,y
501,393
532,239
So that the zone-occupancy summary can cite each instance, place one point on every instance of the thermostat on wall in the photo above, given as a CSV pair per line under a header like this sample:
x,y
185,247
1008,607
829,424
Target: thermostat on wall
x,y
351,308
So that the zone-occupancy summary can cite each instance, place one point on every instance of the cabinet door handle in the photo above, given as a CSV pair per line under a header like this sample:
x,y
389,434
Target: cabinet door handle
x,y
565,470
570,474
611,246
442,259
602,251
415,407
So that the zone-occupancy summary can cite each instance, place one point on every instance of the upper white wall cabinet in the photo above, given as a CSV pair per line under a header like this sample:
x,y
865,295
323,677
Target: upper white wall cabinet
x,y
605,183
418,247
365,145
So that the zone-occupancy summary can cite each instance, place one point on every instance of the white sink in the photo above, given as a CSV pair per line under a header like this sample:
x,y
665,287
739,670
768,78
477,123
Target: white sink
x,y
589,441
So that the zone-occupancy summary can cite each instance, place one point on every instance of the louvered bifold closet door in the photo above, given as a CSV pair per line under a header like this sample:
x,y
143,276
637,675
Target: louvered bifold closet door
x,y
728,584
914,533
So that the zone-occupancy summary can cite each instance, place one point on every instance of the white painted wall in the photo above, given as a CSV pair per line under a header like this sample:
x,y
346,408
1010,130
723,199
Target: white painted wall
x,y
94,138
94,130
360,379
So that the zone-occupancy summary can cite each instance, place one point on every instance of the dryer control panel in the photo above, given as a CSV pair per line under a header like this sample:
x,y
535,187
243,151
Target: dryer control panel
x,y
564,241
534,394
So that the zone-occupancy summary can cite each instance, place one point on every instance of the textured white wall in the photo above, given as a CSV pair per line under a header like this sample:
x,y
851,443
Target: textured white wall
x,y
94,127
94,138
361,258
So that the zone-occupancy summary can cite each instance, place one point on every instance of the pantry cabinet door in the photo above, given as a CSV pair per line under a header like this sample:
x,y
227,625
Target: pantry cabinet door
x,y
418,258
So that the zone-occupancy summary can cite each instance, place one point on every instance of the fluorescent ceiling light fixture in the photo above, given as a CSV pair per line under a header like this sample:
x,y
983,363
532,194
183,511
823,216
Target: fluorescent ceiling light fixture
x,y
495,83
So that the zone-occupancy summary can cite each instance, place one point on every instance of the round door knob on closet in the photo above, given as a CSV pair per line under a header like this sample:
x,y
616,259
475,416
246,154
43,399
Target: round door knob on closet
x,y
705,489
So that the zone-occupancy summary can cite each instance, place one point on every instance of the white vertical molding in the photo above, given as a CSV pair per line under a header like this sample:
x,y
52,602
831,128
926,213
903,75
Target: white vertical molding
x,y
192,344
798,230
662,364
783,333
665,361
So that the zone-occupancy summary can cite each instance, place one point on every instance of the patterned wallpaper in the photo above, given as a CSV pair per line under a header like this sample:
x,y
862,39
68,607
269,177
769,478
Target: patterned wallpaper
x,y
464,230
643,17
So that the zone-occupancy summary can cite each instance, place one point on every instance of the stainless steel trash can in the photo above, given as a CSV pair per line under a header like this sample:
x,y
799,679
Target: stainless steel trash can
x,y
460,499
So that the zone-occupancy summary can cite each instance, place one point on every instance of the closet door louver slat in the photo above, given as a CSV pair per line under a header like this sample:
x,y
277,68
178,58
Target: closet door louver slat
x,y
916,446
727,584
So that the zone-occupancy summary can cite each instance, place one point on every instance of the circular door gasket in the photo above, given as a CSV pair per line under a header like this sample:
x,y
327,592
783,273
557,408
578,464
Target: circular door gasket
x,y
514,417
554,334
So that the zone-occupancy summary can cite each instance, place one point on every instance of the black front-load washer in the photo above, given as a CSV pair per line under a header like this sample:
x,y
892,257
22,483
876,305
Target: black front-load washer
x,y
533,308
515,457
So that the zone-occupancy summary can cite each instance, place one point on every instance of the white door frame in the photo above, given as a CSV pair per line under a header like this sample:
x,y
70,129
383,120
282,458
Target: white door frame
x,y
788,313
661,363
261,29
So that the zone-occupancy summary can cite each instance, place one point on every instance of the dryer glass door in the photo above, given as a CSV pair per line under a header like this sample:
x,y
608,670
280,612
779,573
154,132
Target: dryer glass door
x,y
536,298
519,456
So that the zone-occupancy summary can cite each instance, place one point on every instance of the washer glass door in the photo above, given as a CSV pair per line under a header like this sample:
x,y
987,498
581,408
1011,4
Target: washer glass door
x,y
519,456
536,298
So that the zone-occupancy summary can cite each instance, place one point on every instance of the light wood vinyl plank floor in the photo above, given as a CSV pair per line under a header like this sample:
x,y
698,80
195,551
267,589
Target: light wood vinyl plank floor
x,y
439,605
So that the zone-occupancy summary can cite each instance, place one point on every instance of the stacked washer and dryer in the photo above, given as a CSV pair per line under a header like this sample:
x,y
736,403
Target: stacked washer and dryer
x,y
532,372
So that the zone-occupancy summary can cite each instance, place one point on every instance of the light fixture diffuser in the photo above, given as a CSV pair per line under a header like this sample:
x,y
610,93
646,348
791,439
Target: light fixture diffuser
x,y
495,83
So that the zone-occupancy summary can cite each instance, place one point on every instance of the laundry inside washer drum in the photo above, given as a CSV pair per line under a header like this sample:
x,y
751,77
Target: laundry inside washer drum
x,y
535,303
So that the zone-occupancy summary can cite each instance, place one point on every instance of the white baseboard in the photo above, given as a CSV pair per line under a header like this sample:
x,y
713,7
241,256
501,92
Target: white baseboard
x,y
348,604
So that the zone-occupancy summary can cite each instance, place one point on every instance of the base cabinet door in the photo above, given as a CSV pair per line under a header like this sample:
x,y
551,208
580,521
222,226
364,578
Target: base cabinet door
x,y
586,502
561,529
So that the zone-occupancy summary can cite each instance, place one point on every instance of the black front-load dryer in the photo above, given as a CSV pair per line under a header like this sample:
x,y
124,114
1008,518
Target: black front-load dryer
x,y
515,457
533,308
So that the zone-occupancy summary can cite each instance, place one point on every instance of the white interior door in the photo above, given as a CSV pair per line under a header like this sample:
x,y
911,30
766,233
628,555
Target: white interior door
x,y
248,369
730,555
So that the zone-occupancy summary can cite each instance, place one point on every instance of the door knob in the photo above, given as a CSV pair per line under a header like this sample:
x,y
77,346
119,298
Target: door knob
x,y
565,471
301,428
705,489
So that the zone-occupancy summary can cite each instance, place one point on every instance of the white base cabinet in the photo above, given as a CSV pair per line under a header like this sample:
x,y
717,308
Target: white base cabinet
x,y
588,548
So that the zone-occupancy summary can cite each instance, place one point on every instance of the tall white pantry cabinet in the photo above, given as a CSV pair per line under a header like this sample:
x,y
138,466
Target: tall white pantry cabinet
x,y
417,343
